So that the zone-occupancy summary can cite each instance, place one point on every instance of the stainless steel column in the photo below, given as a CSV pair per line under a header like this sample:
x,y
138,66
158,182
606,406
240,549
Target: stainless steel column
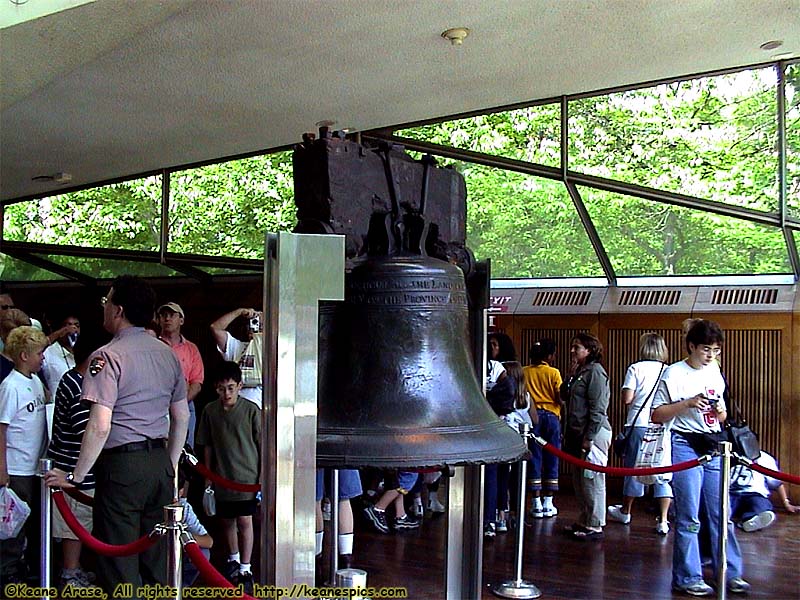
x,y
173,520
299,271
464,552
45,527
724,517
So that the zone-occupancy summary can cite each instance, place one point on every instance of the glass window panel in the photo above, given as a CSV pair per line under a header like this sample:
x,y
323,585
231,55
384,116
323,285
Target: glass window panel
x,y
528,226
711,137
13,269
226,209
793,139
123,215
532,134
109,268
650,238
229,271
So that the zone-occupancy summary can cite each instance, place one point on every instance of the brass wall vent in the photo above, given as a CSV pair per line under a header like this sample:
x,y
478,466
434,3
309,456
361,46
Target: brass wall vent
x,y
745,296
562,298
650,297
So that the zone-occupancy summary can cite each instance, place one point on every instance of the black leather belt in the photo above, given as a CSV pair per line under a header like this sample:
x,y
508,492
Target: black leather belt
x,y
137,446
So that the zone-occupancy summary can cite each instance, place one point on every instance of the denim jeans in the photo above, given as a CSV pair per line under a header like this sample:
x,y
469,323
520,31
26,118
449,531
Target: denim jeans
x,y
632,487
688,486
544,465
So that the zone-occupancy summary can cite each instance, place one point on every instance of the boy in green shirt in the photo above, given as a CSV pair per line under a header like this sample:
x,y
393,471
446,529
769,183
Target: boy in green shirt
x,y
230,431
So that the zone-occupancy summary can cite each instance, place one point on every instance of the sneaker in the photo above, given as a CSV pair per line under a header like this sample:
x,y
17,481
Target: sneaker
x,y
662,527
406,522
418,511
549,511
501,526
615,514
246,581
74,579
737,585
231,571
435,506
537,512
489,530
760,521
699,588
377,518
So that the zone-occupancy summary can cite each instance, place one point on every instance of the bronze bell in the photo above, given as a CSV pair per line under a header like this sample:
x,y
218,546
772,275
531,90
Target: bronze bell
x,y
396,382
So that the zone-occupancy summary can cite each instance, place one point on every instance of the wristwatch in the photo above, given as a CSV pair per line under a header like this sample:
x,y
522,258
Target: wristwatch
x,y
71,479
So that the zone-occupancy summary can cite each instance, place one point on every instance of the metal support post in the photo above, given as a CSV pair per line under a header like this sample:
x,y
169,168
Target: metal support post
x,y
518,587
724,518
173,525
45,527
334,526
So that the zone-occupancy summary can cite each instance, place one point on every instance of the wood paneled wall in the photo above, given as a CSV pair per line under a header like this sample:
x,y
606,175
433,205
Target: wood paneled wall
x,y
758,360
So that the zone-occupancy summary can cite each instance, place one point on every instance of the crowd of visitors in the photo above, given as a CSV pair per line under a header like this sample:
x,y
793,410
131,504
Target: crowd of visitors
x,y
115,435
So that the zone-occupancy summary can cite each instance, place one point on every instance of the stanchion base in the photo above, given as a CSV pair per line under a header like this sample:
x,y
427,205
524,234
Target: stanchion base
x,y
516,589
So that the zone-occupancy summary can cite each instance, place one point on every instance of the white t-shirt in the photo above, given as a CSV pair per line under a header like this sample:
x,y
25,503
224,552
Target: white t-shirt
x,y
745,480
57,361
22,408
681,381
493,371
641,377
233,351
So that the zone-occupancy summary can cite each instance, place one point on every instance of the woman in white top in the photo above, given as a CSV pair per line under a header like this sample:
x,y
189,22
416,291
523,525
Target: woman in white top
x,y
638,390
690,397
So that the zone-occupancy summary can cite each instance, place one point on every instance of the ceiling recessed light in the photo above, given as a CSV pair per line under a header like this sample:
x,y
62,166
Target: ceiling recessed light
x,y
456,35
771,45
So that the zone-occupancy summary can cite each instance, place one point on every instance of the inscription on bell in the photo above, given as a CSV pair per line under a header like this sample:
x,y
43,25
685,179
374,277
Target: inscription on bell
x,y
408,298
403,284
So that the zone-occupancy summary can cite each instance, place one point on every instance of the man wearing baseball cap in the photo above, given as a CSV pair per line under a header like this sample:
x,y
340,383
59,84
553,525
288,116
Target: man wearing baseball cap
x,y
170,319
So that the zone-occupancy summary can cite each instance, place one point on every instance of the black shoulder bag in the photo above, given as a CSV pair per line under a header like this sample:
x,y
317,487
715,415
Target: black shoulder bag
x,y
621,442
738,432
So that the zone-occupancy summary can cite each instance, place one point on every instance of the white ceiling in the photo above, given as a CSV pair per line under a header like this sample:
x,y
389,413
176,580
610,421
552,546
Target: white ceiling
x,y
118,87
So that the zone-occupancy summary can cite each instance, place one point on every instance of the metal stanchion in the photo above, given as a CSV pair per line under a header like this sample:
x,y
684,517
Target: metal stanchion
x,y
45,527
334,544
518,587
724,517
173,526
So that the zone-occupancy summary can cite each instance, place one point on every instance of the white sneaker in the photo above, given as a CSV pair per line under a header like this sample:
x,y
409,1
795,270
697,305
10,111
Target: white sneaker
x,y
737,585
662,527
615,514
549,511
701,588
760,521
537,512
435,506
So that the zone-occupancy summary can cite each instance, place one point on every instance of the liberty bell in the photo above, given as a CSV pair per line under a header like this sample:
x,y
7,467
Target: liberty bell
x,y
397,386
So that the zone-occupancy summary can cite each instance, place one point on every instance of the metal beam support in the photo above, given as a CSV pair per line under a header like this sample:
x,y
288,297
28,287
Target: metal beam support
x,y
43,263
594,238
783,204
299,271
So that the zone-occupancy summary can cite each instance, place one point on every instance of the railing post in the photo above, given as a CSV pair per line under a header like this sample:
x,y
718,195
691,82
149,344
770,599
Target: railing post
x,y
724,517
45,527
334,544
173,525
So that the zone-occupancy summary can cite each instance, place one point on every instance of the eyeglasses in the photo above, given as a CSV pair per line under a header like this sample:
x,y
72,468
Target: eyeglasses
x,y
6,306
713,351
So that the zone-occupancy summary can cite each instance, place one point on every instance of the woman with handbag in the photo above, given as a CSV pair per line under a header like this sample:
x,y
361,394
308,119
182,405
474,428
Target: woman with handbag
x,y
588,433
641,380
690,398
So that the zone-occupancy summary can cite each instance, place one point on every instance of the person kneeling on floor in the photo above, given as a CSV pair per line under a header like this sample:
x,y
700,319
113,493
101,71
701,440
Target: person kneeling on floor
x,y
751,508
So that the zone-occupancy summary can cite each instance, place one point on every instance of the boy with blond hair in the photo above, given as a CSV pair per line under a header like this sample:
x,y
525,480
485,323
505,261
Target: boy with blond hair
x,y
23,440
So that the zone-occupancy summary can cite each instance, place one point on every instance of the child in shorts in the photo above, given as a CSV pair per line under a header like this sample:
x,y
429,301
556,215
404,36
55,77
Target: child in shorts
x,y
377,514
230,431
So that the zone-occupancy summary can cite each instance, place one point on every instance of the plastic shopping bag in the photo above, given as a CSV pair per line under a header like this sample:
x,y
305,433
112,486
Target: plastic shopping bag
x,y
13,513
654,451
209,502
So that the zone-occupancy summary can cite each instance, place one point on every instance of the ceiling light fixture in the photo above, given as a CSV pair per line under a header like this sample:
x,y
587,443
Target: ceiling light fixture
x,y
771,45
60,178
456,35
782,56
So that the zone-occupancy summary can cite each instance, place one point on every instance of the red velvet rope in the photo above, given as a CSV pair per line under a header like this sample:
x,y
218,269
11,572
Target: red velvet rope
x,y
78,495
226,483
775,474
137,547
622,471
210,575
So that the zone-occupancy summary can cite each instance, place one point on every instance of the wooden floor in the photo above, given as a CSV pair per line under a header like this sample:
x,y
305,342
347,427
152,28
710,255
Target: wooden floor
x,y
632,562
